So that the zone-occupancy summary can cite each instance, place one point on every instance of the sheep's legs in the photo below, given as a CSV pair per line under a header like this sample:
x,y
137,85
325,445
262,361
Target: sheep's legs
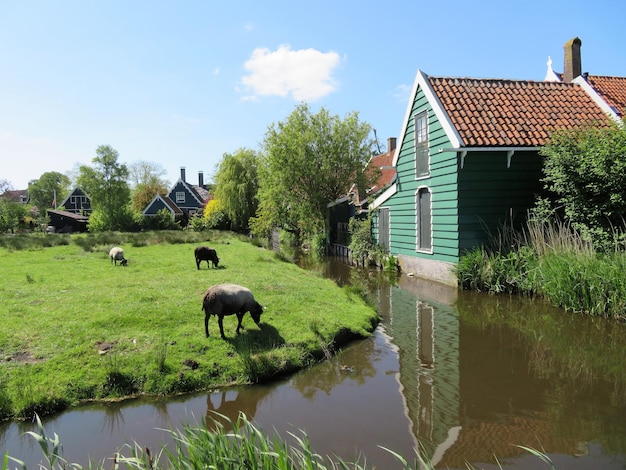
x,y
220,320
239,318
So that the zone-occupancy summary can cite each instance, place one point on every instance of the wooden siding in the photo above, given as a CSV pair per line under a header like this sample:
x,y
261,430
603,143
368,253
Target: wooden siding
x,y
442,184
191,203
156,206
77,202
494,196
338,218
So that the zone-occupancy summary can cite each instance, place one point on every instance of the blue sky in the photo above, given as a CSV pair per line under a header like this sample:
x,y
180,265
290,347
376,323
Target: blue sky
x,y
180,83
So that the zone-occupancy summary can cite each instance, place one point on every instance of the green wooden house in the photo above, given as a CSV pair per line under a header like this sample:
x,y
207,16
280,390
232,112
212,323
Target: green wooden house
x,y
468,164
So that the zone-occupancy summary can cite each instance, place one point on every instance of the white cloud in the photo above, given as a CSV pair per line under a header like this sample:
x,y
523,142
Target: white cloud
x,y
305,74
402,93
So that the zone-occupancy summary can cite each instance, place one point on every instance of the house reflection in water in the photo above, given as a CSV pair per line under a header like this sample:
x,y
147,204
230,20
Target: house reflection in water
x,y
427,336
469,393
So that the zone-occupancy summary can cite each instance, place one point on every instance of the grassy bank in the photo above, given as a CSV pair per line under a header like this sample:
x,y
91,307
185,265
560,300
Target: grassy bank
x,y
75,327
552,261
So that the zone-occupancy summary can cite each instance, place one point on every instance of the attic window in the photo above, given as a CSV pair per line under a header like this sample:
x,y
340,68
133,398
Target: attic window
x,y
180,197
421,145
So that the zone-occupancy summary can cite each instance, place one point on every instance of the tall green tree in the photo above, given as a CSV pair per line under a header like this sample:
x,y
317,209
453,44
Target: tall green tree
x,y
147,180
50,187
585,168
106,184
11,213
309,160
237,186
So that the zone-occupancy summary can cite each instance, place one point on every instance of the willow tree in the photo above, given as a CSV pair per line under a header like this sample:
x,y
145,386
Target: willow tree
x,y
309,160
236,187
106,184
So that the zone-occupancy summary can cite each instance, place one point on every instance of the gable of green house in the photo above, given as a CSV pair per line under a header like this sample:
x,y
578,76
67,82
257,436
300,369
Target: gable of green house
x,y
423,207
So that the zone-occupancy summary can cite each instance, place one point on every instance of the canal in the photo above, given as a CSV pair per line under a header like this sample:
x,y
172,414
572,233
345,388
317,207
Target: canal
x,y
467,378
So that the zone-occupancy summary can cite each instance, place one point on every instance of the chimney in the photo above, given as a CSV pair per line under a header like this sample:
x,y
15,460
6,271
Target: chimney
x,y
182,173
391,144
201,179
572,67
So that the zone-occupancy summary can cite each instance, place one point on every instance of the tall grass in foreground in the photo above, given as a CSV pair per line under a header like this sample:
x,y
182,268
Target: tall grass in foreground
x,y
231,445
552,260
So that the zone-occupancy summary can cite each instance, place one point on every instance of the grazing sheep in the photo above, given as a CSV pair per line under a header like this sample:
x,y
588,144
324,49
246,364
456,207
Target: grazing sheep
x,y
229,299
204,253
117,254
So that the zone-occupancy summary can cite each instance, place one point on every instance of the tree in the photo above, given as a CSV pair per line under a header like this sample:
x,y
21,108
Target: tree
x,y
11,213
147,181
49,186
236,188
586,170
109,192
5,186
309,160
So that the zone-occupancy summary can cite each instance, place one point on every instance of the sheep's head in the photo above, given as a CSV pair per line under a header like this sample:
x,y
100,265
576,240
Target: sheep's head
x,y
124,262
256,312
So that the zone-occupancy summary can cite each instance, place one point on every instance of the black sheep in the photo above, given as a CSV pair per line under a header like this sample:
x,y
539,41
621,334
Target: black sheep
x,y
204,253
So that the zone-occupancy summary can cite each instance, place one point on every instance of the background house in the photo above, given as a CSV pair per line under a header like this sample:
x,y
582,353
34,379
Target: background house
x,y
77,202
16,195
184,200
354,203
468,164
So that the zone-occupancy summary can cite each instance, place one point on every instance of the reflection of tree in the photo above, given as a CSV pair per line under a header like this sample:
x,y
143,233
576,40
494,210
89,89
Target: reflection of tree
x,y
352,363
162,411
231,402
573,363
581,349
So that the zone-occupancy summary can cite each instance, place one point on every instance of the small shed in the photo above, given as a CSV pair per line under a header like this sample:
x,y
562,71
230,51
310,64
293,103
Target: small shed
x,y
67,222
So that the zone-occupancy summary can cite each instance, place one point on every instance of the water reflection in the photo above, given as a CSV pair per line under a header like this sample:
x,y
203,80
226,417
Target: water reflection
x,y
466,377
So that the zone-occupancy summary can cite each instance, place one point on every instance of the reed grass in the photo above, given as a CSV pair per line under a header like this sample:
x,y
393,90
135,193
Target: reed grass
x,y
550,259
229,445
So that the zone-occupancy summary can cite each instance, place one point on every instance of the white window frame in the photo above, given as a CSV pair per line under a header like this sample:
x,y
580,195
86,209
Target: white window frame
x,y
180,197
421,143
418,246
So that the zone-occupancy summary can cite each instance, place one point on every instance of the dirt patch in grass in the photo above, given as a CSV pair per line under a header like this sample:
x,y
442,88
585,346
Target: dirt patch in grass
x,y
104,347
24,357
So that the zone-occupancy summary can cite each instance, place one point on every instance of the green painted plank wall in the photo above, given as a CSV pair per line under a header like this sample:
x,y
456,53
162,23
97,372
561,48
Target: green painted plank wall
x,y
494,195
442,183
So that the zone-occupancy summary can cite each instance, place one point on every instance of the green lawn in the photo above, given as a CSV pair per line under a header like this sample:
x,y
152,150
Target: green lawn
x,y
75,327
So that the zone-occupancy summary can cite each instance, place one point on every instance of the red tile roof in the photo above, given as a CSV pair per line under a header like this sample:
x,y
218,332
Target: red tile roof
x,y
612,90
384,163
513,113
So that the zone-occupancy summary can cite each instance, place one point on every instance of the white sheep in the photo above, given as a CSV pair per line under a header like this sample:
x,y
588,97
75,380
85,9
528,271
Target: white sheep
x,y
229,299
117,254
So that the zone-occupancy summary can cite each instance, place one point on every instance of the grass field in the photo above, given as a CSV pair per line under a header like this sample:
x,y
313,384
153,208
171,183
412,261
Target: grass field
x,y
75,327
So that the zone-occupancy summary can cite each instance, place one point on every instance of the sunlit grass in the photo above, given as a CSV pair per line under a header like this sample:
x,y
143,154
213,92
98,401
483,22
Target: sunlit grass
x,y
76,327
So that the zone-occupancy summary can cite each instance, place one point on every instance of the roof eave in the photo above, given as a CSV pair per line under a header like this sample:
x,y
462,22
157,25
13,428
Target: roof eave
x,y
595,96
